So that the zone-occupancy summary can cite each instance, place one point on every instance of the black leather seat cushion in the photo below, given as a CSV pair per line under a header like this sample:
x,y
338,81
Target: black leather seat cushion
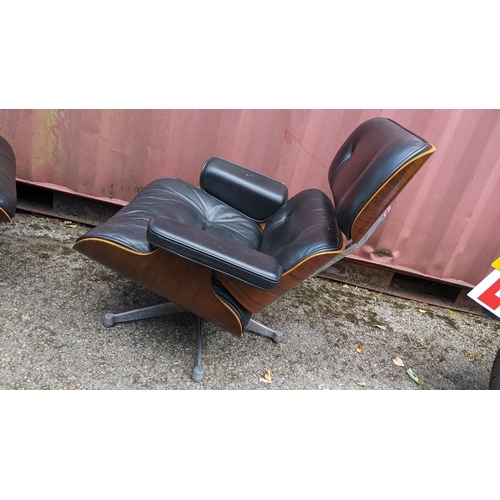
x,y
178,200
8,194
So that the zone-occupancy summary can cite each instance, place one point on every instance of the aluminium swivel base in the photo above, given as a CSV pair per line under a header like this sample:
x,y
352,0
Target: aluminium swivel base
x,y
170,308
146,312
260,329
199,370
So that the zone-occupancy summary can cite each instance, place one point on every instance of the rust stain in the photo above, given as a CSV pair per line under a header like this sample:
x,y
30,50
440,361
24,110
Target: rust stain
x,y
48,144
44,141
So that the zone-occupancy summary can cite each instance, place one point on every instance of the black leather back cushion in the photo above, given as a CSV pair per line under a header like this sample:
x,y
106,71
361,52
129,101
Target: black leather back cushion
x,y
304,226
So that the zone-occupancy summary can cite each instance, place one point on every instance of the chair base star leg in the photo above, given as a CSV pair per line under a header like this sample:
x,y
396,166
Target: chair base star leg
x,y
146,312
260,329
199,370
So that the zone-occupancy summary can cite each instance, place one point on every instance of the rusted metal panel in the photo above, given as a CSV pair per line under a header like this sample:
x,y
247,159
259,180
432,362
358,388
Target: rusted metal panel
x,y
445,224
442,226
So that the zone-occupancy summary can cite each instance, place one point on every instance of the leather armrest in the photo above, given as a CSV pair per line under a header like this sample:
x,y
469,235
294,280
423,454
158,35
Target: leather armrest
x,y
251,193
228,257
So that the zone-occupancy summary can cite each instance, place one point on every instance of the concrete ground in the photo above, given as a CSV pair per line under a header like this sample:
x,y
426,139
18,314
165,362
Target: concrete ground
x,y
336,336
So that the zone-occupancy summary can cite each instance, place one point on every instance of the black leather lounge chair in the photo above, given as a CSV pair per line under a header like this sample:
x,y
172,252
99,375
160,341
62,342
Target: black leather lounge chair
x,y
8,193
233,246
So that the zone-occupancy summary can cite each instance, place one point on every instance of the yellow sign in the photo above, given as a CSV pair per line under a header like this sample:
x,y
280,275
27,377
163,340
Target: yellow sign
x,y
496,264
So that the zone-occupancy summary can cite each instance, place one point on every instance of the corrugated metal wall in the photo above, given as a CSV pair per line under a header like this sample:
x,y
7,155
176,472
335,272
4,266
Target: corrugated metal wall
x,y
444,226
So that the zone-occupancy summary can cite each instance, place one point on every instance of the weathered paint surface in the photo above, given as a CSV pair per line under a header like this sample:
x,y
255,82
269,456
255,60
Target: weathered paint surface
x,y
444,225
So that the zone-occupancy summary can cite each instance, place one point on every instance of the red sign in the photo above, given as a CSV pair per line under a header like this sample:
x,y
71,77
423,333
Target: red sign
x,y
490,296
487,293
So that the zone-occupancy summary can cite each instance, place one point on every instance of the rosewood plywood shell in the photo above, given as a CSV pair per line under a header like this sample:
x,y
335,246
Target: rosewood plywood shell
x,y
187,284
386,194
255,300
4,216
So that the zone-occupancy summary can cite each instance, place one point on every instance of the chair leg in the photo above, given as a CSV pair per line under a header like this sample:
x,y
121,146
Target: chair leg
x,y
199,370
160,310
146,312
260,329
170,308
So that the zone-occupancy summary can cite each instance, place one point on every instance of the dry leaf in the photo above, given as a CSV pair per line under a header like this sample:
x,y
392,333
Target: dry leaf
x,y
397,361
267,376
359,349
362,384
471,356
320,304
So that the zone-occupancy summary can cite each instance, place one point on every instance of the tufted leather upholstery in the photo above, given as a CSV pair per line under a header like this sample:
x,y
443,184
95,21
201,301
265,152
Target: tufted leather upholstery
x,y
302,227
181,202
8,195
178,217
